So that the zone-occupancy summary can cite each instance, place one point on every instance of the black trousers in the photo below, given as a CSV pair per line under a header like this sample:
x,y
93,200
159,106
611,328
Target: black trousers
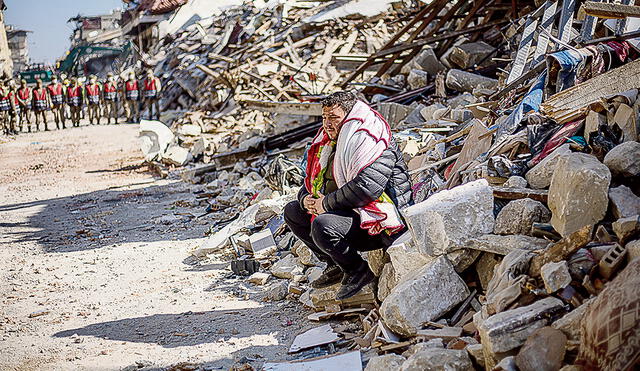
x,y
335,237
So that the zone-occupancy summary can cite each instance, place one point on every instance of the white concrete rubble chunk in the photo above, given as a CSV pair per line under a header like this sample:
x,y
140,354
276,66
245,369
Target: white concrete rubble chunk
x,y
626,227
386,362
508,330
515,181
154,138
287,267
387,281
418,79
176,155
518,216
438,359
475,351
539,177
259,278
447,220
466,81
624,202
555,276
624,159
503,245
190,130
633,250
424,296
578,195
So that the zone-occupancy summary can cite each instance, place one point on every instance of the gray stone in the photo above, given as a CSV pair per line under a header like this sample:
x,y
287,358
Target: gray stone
x,y
518,216
277,290
388,280
259,278
503,245
419,347
428,61
463,258
506,364
410,304
176,155
386,362
543,351
555,276
314,273
624,202
461,115
428,111
415,117
578,192
624,159
476,354
418,79
407,258
466,81
469,54
570,323
508,330
394,113
515,181
306,256
433,359
376,259
447,220
626,227
287,267
485,266
592,123
539,177
633,250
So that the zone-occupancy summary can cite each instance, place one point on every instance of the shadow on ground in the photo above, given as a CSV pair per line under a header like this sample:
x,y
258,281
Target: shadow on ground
x,y
106,217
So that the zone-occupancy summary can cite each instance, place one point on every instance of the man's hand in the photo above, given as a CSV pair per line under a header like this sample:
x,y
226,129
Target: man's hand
x,y
314,205
308,202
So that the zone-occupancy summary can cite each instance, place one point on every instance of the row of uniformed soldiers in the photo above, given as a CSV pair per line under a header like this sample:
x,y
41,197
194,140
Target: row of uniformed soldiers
x,y
66,101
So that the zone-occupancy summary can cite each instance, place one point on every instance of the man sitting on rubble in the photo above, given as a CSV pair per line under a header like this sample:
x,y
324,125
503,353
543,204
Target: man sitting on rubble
x,y
356,181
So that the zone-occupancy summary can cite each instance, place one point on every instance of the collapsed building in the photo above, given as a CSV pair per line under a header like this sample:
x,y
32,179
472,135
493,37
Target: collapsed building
x,y
519,123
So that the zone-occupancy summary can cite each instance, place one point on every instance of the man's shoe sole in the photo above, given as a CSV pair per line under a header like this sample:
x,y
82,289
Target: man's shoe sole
x,y
327,283
347,295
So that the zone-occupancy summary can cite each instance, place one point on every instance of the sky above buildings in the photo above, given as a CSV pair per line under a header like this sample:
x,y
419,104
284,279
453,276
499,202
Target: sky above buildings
x,y
48,21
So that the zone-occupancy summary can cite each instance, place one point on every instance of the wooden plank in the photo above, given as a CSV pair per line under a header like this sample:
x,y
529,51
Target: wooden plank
x,y
562,249
573,103
522,54
544,31
518,193
611,10
566,20
446,333
290,108
473,146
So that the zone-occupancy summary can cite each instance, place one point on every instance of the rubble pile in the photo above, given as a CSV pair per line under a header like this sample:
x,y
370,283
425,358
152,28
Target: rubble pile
x,y
520,129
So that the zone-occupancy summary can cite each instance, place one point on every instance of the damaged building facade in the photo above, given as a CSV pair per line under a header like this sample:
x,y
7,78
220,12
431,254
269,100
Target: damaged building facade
x,y
518,121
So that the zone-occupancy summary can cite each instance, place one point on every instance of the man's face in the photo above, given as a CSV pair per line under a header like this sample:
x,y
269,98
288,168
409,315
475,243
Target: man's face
x,y
332,119
39,84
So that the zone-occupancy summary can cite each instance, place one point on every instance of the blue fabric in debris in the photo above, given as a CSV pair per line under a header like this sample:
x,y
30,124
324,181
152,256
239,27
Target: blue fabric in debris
x,y
530,102
568,61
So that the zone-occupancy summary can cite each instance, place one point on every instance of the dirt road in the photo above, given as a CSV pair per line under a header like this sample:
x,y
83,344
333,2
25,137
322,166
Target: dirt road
x,y
95,267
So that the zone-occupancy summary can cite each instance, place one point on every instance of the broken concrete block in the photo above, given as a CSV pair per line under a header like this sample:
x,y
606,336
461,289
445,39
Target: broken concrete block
x,y
421,346
447,220
476,354
570,323
506,364
463,258
485,266
626,227
190,130
394,113
287,267
466,81
376,260
539,177
277,291
428,61
387,281
176,155
592,123
542,351
612,261
555,276
508,330
578,194
518,216
418,79
633,250
624,159
154,138
314,273
468,55
415,117
461,115
386,362
428,111
409,305
625,117
262,244
306,256
624,202
438,359
259,278
515,181
503,245
406,258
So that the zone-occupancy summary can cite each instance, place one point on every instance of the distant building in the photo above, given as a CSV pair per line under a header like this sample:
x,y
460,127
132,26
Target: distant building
x,y
140,20
6,64
17,40
103,28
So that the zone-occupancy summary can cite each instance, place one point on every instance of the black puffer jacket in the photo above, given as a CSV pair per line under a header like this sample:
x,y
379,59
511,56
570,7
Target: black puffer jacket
x,y
388,174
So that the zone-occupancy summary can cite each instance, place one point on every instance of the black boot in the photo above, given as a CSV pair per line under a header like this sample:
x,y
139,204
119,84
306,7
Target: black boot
x,y
331,275
354,282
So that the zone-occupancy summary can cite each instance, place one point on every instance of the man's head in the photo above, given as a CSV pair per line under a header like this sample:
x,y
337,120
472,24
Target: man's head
x,y
23,83
335,108
93,79
149,73
132,76
39,83
54,79
110,77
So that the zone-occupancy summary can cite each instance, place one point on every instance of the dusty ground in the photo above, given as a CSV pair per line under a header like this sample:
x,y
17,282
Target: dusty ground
x,y
95,270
